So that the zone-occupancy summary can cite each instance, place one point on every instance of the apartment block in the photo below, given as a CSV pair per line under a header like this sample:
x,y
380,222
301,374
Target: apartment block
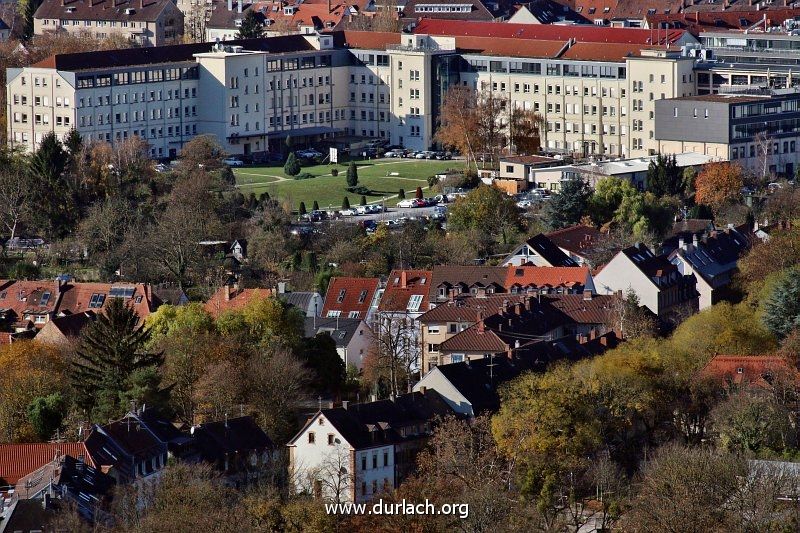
x,y
144,22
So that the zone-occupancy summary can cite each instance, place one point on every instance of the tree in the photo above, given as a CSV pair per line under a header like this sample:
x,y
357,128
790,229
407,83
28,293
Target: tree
x,y
569,205
418,193
664,178
781,309
644,215
352,175
319,353
302,211
55,210
45,414
202,151
16,199
753,425
401,194
110,356
102,232
487,209
251,27
458,122
316,206
346,203
28,11
30,370
363,200
292,166
633,320
719,184
524,127
263,321
608,194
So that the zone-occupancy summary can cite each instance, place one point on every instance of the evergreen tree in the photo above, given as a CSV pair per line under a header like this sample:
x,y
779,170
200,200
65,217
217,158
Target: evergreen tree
x,y
251,27
263,198
664,178
288,143
56,209
45,414
418,193
316,206
401,194
302,211
28,10
363,200
352,175
782,307
346,203
570,204
111,363
292,166
252,202
73,142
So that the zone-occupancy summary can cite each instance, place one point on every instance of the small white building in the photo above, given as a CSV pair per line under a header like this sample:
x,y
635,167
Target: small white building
x,y
538,251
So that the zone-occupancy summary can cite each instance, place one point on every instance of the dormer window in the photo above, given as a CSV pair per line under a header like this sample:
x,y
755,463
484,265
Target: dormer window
x,y
340,298
740,370
362,296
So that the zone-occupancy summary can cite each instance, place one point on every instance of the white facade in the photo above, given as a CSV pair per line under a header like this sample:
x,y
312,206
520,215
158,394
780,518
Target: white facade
x,y
435,380
620,274
324,464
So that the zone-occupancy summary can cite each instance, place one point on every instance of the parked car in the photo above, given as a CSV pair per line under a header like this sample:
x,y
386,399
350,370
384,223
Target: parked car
x,y
362,210
419,155
161,167
233,162
375,208
420,202
348,212
308,153
406,203
524,204
392,223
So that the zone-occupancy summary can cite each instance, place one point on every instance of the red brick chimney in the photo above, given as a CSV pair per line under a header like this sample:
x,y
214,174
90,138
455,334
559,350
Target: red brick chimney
x,y
479,323
403,279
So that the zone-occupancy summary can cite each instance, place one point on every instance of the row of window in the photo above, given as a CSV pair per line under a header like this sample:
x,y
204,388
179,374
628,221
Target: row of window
x,y
136,97
772,148
137,116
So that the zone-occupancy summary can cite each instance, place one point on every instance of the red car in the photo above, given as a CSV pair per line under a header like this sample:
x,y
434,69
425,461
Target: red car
x,y
419,202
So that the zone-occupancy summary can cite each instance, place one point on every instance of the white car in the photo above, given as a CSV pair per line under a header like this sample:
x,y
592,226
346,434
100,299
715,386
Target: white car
x,y
232,162
405,203
392,223
362,210
524,204
348,212
375,208
419,155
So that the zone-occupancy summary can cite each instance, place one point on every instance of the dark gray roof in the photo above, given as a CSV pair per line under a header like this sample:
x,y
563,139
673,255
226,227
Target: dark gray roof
x,y
341,330
111,10
551,253
300,300
217,439
378,423
477,381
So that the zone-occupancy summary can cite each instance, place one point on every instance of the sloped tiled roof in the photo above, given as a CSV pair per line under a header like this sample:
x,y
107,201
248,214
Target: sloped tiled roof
x,y
468,275
348,295
533,276
236,435
584,309
477,12
238,299
473,339
465,309
556,32
109,10
548,251
19,460
578,239
749,370
695,21
401,286
341,330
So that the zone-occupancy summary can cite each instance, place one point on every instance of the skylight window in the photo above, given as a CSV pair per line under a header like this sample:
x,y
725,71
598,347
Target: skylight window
x,y
45,299
362,296
414,302
97,300
342,292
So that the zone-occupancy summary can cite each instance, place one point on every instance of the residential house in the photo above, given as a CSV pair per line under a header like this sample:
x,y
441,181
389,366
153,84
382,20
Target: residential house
x,y
65,330
127,449
309,302
353,337
143,22
5,30
470,387
545,12
751,373
230,297
352,298
170,294
355,452
546,280
450,281
713,260
513,174
473,10
579,242
236,446
31,304
659,284
539,251
396,328
19,461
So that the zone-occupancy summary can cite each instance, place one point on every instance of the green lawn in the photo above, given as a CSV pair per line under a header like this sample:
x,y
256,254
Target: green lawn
x,y
329,190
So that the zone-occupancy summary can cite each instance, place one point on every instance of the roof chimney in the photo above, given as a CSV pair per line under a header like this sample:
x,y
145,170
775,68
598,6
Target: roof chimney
x,y
239,6
344,404
480,321
587,295
681,243
227,292
230,5
329,6
403,279
694,240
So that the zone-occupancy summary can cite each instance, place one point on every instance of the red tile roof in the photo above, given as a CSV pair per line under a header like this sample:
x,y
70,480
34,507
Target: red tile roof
x,y
27,296
554,32
600,309
499,46
474,339
577,239
368,40
19,460
527,276
750,370
77,297
350,295
589,51
233,299
731,19
401,286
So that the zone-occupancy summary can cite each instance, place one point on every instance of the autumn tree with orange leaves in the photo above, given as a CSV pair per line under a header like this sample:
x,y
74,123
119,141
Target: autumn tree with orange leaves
x,y
719,184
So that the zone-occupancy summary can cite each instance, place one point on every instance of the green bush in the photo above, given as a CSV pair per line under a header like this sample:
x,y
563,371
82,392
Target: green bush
x,y
334,172
304,176
401,194
359,189
292,167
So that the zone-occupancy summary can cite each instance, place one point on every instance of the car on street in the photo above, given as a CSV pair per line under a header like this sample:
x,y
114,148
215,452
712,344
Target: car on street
x,y
392,223
362,210
348,212
406,203
419,155
233,162
420,202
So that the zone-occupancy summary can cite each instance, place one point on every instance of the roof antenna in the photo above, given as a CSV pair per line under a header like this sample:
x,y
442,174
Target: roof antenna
x,y
319,403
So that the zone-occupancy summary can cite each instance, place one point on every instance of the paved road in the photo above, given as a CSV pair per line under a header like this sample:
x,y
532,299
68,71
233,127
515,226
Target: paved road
x,y
393,213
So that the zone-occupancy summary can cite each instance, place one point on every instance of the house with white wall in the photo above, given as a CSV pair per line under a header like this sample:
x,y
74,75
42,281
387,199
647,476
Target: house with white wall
x,y
354,453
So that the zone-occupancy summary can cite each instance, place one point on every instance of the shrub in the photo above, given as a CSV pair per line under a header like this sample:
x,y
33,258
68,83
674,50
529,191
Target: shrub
x,y
401,194
334,172
346,203
360,189
363,200
304,176
302,211
292,167
352,175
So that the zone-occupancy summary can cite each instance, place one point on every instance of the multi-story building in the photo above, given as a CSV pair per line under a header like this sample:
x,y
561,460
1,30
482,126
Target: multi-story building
x,y
144,22
761,132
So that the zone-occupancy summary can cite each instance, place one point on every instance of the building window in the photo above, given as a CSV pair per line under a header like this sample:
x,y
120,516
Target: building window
x,y
311,437
331,439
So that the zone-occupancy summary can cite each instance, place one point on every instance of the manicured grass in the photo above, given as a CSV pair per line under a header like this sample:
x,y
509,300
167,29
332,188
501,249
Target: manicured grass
x,y
330,190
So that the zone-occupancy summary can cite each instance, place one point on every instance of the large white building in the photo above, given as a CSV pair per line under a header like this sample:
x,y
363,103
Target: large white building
x,y
595,87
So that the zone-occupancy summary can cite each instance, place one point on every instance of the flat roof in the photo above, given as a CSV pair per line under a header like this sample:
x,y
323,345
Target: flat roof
x,y
725,98
641,164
